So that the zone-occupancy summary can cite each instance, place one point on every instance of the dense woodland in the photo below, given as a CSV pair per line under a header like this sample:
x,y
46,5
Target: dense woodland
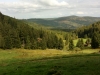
x,y
91,31
16,34
87,31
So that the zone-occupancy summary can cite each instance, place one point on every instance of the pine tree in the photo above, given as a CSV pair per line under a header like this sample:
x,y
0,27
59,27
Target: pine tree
x,y
16,42
88,41
27,43
43,44
15,39
80,44
8,43
50,42
34,45
61,44
67,39
95,40
85,36
1,42
71,45
56,42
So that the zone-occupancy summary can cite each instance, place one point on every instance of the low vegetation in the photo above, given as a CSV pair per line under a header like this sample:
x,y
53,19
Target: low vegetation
x,y
76,40
49,62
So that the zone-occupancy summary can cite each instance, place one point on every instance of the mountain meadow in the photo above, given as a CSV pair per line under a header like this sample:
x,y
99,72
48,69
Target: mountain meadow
x,y
50,46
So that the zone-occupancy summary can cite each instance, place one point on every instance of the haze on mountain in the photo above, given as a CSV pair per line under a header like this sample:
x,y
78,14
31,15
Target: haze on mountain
x,y
70,22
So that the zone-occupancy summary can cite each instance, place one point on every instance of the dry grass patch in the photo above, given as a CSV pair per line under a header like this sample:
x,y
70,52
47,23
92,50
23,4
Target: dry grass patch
x,y
39,53
23,54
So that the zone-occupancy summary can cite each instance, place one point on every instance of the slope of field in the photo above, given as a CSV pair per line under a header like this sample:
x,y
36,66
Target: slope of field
x,y
76,40
49,62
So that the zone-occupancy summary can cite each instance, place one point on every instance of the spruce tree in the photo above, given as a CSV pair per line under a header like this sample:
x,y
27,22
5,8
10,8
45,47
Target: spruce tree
x,y
61,44
34,45
95,40
8,43
2,43
43,44
56,42
80,44
67,39
50,42
27,43
71,45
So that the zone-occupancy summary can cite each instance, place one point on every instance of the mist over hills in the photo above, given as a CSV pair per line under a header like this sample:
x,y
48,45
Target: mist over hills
x,y
69,22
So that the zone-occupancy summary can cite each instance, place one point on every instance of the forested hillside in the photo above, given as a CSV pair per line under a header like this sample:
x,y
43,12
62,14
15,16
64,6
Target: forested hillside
x,y
16,34
70,22
87,31
92,31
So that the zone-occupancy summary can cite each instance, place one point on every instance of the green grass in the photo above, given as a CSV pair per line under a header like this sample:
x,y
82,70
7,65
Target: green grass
x,y
49,62
76,40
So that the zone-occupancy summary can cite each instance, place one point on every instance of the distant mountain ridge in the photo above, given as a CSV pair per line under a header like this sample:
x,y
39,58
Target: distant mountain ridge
x,y
69,22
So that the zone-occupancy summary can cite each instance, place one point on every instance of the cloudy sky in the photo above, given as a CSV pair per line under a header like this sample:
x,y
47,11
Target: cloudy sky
x,y
49,8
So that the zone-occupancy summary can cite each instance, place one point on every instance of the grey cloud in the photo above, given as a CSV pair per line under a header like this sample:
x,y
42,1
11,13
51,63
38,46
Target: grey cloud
x,y
85,3
42,7
19,7
33,6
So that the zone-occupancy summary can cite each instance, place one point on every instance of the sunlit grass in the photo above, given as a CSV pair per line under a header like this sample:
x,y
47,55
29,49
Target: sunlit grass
x,y
39,54
45,62
23,54
76,40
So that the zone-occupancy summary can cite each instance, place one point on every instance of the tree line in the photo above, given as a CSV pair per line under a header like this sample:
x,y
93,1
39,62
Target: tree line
x,y
92,31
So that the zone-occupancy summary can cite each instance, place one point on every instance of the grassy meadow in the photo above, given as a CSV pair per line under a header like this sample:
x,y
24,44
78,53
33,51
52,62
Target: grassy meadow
x,y
76,40
49,62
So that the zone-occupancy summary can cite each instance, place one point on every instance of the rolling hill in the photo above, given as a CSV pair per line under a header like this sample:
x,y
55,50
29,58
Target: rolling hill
x,y
70,22
87,31
17,34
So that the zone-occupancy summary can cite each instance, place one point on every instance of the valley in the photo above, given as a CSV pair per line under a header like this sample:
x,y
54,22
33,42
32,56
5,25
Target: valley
x,y
57,46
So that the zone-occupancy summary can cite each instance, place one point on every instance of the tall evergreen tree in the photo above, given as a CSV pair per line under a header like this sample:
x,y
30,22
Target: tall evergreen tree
x,y
43,44
2,42
71,45
50,42
34,44
56,42
80,44
8,42
61,44
67,39
27,43
95,40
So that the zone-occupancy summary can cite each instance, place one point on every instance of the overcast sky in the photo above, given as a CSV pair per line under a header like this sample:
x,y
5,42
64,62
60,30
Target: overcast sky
x,y
49,8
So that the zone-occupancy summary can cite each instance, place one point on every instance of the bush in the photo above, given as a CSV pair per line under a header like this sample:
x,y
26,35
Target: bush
x,y
77,49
